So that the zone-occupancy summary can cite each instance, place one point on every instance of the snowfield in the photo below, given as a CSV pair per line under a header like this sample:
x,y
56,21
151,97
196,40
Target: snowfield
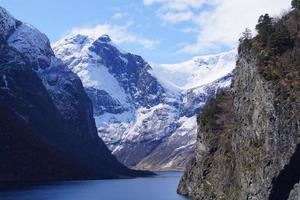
x,y
197,72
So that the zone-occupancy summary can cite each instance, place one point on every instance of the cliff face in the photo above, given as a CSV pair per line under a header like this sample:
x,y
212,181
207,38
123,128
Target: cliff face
x,y
248,140
47,129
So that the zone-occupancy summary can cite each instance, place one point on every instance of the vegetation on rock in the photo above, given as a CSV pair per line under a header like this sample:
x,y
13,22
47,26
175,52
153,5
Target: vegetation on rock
x,y
276,48
296,4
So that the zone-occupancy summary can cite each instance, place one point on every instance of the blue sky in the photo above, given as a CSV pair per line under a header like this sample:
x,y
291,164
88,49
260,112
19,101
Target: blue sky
x,y
162,31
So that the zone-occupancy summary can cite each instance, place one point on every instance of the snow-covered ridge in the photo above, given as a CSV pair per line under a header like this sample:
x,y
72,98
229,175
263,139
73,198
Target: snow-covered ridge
x,y
7,23
33,44
196,72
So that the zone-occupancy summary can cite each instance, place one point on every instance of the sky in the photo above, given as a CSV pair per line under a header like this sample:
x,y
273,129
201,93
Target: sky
x,y
162,31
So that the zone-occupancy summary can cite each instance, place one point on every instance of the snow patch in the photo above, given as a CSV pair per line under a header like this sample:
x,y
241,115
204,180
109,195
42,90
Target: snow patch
x,y
7,23
187,124
33,44
5,81
109,118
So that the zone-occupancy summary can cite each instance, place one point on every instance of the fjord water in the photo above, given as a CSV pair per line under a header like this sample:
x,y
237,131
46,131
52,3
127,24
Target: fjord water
x,y
160,187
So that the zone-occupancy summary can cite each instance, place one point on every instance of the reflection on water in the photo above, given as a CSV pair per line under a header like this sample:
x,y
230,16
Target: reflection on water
x,y
161,187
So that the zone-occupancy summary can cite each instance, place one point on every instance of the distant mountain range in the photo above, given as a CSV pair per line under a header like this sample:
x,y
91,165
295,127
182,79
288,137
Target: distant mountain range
x,y
56,103
145,114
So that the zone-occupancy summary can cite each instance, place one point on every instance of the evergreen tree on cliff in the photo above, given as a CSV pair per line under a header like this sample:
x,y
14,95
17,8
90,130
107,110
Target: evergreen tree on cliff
x,y
296,4
264,28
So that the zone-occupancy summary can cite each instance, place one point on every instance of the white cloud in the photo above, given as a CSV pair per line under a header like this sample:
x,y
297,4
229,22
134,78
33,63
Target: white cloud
x,y
118,34
175,11
217,27
178,5
175,17
119,15
190,30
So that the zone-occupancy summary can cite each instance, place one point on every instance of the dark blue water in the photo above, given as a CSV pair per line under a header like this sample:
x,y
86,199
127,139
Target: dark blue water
x,y
161,187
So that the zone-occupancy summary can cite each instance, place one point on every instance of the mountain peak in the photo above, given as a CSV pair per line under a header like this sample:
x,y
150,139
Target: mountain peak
x,y
104,38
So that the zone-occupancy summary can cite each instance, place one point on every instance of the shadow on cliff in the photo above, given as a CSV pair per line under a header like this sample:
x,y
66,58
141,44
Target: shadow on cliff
x,y
287,178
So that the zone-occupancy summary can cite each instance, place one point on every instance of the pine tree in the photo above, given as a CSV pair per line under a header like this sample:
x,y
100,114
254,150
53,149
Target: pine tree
x,y
296,4
264,28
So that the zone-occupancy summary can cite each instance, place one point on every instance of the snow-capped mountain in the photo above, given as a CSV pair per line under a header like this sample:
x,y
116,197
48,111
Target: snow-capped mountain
x,y
146,116
117,82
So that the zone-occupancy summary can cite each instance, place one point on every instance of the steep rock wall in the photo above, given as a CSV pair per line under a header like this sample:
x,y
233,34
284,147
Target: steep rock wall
x,y
252,153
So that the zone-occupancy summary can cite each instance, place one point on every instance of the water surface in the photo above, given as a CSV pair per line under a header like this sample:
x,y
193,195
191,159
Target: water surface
x,y
160,187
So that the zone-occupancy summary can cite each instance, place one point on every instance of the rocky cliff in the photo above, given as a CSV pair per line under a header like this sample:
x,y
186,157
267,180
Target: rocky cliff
x,y
248,139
